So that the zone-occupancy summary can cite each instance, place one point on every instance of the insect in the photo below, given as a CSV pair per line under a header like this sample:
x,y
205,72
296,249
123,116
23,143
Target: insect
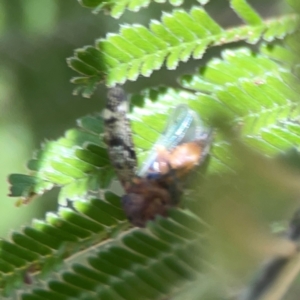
x,y
183,144
153,189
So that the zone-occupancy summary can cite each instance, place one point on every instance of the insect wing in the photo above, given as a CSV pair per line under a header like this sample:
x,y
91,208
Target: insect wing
x,y
184,125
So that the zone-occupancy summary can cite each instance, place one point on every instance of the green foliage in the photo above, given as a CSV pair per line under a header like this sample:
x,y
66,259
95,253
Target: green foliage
x,y
120,263
90,244
116,8
43,246
137,50
268,113
78,162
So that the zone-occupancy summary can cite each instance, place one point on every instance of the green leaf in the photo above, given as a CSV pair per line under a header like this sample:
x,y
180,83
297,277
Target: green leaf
x,y
98,256
249,87
137,50
139,250
117,8
246,12
78,163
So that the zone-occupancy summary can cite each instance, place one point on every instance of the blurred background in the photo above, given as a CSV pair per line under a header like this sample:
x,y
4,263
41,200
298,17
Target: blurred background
x,y
36,101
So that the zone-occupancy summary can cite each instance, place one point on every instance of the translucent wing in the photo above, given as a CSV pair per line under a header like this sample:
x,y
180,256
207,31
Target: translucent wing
x,y
184,125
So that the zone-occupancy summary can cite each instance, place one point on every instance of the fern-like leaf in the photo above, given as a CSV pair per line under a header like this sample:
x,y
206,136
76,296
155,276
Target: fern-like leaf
x,y
137,50
88,251
44,245
121,263
117,7
78,163
256,92
169,256
253,90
